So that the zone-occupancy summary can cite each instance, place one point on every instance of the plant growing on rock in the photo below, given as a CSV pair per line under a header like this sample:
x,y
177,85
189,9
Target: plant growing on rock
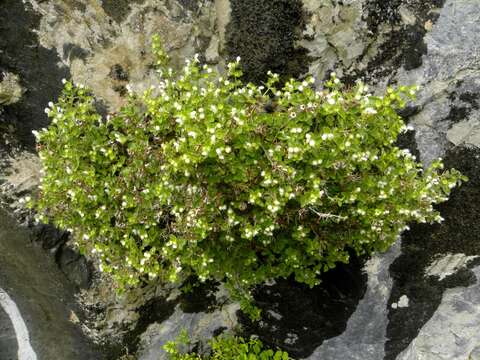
x,y
225,347
205,175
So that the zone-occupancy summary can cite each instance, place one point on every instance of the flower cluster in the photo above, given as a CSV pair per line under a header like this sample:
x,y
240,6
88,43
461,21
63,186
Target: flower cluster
x,y
241,183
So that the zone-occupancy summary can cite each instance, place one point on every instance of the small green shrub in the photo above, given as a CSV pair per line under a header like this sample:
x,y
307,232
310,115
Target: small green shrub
x,y
225,348
207,176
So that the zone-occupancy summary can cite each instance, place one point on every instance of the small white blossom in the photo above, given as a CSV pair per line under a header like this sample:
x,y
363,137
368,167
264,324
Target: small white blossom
x,y
369,111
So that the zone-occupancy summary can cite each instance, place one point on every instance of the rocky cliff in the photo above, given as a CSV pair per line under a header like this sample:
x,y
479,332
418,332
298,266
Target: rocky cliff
x,y
419,300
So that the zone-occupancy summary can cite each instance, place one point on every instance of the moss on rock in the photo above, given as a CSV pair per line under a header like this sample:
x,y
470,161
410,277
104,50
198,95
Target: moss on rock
x,y
263,34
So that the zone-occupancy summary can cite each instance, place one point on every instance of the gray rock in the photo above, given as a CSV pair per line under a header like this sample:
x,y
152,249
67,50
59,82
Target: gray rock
x,y
452,332
74,266
447,265
100,45
199,326
450,71
475,354
364,337
336,35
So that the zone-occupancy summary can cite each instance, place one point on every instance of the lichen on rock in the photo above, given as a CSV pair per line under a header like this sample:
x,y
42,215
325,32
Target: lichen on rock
x,y
10,89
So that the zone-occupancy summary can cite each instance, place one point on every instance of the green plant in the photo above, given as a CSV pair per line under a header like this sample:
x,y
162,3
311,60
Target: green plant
x,y
207,176
225,347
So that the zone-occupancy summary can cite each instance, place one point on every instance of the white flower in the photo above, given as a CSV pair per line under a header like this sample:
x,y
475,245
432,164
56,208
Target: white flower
x,y
369,111
331,101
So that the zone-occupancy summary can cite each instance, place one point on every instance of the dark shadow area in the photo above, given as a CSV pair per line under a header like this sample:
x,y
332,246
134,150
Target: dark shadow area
x,y
119,9
201,297
36,66
156,310
298,319
8,340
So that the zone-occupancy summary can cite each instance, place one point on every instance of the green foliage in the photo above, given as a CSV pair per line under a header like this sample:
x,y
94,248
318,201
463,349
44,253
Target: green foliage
x,y
206,176
225,348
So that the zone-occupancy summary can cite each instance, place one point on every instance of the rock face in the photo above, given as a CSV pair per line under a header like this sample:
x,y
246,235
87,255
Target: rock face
x,y
449,78
365,333
45,301
419,300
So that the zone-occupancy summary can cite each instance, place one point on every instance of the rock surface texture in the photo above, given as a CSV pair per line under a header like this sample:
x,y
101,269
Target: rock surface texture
x,y
419,300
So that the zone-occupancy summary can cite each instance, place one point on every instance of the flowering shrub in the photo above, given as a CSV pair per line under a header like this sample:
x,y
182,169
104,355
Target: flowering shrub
x,y
241,183
226,348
